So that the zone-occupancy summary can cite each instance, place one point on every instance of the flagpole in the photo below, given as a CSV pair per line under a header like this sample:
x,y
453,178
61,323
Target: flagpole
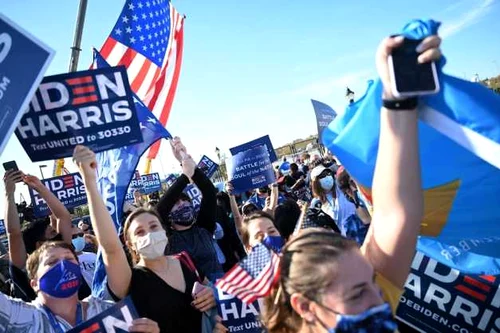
x,y
73,61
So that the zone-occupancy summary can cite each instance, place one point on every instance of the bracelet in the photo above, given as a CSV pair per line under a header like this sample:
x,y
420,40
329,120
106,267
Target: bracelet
x,y
407,104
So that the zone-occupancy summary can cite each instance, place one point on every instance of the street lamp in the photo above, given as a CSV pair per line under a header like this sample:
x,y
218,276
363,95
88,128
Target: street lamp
x,y
349,95
41,166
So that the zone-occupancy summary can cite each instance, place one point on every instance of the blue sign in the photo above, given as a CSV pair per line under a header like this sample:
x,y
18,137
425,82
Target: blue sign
x,y
23,61
195,195
93,108
263,141
324,116
170,179
207,166
438,298
238,316
135,185
117,318
69,189
150,183
251,169
2,227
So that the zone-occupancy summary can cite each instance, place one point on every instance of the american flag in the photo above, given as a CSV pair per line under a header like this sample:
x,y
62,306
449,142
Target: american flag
x,y
148,40
253,277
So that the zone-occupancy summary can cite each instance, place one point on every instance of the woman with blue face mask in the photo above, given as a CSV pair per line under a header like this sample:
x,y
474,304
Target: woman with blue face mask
x,y
326,283
56,277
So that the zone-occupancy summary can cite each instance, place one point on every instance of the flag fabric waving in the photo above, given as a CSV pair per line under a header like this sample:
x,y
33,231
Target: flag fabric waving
x,y
459,139
253,277
116,168
148,40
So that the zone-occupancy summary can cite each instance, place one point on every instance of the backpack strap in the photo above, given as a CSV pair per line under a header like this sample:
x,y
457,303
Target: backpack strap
x,y
186,260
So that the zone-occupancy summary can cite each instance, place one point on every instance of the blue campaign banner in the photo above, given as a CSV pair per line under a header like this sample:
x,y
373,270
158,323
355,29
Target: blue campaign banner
x,y
207,166
324,116
2,227
135,185
263,141
69,189
150,183
238,316
438,298
94,108
116,319
23,62
170,179
251,169
194,194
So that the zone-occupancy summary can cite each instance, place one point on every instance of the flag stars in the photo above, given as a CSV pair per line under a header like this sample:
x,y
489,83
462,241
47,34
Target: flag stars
x,y
150,36
147,26
125,19
131,6
135,18
148,4
151,45
118,31
140,5
132,40
144,48
138,28
151,15
156,34
141,37
154,53
128,30
144,16
154,25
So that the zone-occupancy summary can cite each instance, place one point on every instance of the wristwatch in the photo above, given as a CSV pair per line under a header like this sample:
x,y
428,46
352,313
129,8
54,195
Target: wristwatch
x,y
409,103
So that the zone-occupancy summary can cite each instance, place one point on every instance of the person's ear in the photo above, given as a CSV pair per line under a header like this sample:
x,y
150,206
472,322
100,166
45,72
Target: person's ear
x,y
302,306
34,285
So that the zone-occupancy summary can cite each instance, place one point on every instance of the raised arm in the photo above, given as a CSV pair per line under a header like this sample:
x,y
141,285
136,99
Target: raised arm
x,y
59,212
397,189
17,250
238,219
117,268
208,208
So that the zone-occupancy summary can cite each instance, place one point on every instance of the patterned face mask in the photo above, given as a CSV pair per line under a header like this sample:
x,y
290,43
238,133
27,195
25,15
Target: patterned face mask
x,y
183,215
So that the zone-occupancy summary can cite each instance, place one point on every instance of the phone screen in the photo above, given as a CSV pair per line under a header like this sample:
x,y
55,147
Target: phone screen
x,y
409,75
11,165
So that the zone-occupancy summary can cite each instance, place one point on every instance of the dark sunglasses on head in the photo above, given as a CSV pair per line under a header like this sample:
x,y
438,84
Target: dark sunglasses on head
x,y
77,235
325,173
249,210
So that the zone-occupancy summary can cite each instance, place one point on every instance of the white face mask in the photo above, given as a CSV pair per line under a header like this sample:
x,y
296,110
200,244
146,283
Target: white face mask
x,y
152,245
78,244
327,183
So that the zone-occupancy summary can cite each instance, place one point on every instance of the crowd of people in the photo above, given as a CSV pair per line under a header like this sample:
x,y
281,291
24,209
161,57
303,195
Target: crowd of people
x,y
344,257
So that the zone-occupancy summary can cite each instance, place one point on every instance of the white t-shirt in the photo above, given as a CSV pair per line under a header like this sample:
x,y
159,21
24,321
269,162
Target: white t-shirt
x,y
19,316
87,265
339,209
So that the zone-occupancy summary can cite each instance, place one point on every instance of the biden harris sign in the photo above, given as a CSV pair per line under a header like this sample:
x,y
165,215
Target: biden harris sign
x,y
94,108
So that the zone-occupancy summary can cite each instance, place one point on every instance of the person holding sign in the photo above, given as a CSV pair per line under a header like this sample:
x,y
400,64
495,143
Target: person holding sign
x,y
161,287
188,232
328,284
56,277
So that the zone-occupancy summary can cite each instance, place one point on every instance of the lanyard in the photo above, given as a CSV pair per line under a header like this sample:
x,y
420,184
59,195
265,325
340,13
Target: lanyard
x,y
56,325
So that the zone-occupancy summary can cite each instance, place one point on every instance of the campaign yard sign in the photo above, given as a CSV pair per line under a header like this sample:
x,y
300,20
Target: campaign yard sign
x,y
324,116
116,319
170,179
94,108
135,185
262,141
194,193
238,316
251,169
23,61
438,298
150,183
207,166
69,189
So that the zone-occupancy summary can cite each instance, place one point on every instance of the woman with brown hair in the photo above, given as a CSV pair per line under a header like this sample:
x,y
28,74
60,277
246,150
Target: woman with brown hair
x,y
326,283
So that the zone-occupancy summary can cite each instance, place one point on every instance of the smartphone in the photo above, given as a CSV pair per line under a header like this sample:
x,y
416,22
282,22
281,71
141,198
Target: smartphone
x,y
408,77
11,165
197,287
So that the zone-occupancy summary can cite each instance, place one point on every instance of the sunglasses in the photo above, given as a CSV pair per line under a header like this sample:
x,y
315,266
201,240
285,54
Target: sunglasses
x,y
249,210
77,235
325,173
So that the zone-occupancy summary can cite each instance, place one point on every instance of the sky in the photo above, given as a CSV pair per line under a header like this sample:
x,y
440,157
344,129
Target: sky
x,y
250,68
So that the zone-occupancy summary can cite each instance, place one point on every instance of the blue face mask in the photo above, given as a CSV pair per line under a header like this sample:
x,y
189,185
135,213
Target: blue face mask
x,y
378,319
61,281
275,243
183,216
78,244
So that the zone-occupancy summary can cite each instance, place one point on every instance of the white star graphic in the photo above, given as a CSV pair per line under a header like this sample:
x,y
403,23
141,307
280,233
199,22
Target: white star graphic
x,y
147,4
131,6
144,48
150,36
138,28
144,16
135,18
139,5
151,120
147,26
141,37
125,19
132,40
118,31
128,30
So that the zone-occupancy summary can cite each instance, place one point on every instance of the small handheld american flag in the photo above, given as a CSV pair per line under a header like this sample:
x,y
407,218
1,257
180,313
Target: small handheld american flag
x,y
254,276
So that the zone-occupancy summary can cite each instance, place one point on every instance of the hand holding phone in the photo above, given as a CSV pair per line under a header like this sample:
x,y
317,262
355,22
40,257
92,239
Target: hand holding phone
x,y
197,287
11,165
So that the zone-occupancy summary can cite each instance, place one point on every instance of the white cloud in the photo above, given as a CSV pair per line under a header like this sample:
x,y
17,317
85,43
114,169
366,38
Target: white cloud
x,y
467,19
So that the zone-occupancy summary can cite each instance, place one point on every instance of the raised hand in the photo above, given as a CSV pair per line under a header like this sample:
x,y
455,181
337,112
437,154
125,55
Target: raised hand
x,y
86,161
10,179
188,166
33,182
178,149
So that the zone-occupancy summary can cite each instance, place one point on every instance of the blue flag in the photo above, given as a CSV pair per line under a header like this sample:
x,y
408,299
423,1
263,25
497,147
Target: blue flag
x,y
459,138
115,171
324,116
